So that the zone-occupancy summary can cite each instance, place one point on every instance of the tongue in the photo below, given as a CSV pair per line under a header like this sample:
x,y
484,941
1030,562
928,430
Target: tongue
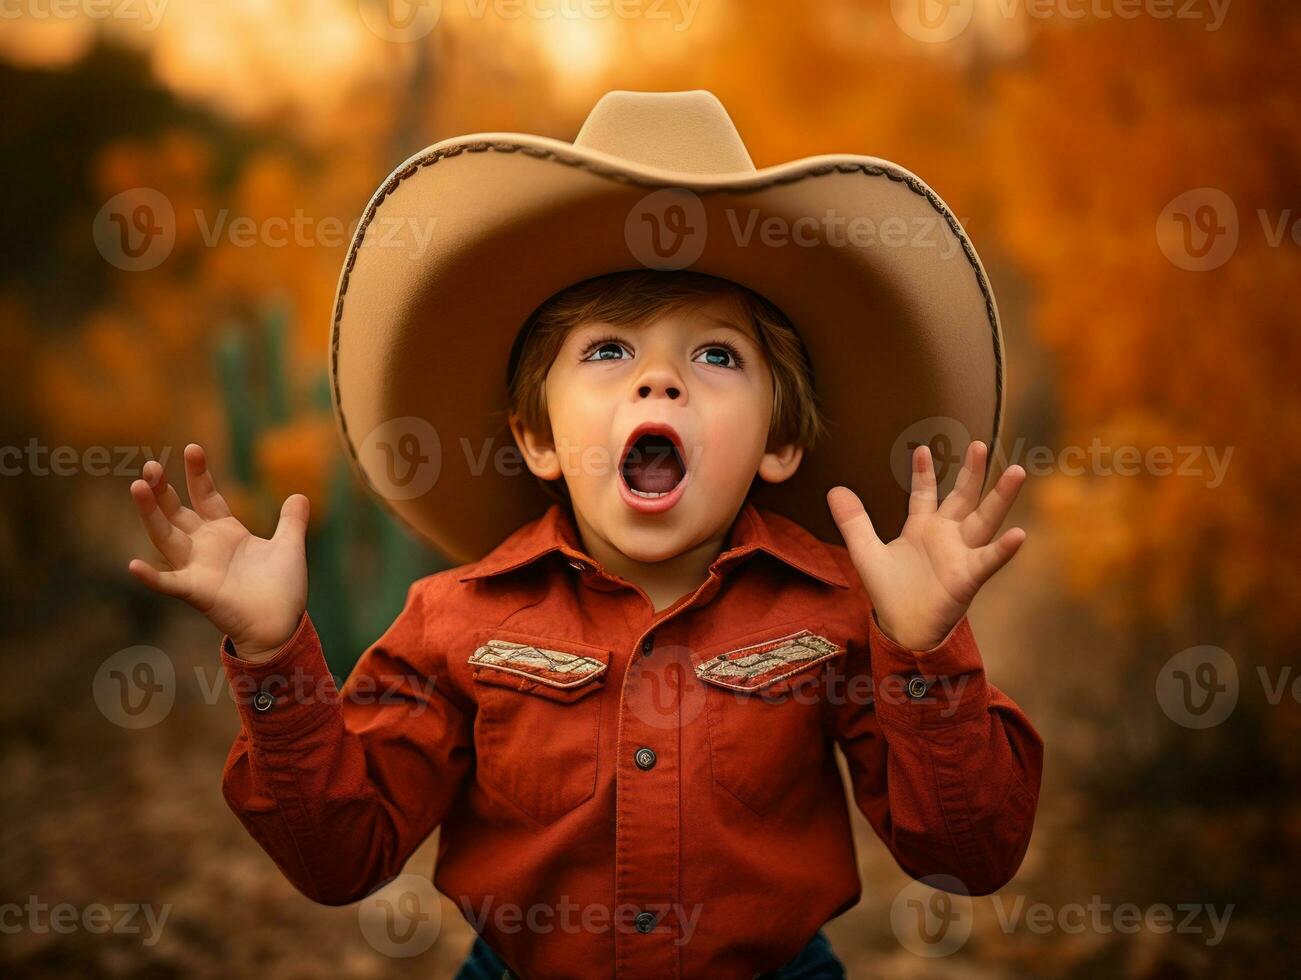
x,y
652,467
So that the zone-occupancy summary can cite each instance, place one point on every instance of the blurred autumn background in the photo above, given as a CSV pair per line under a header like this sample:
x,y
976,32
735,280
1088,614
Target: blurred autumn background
x,y
1085,155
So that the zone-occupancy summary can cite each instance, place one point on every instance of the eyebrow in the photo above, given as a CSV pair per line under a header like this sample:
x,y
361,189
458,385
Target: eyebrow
x,y
728,324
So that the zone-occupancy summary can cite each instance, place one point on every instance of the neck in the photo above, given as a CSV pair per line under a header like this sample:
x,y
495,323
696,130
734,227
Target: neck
x,y
664,582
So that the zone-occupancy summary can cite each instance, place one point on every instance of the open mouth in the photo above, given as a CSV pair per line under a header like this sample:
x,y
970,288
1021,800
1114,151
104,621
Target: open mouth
x,y
653,465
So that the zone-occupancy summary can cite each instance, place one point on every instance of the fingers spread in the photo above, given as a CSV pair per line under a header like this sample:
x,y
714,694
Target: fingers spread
x,y
168,499
966,491
203,489
173,543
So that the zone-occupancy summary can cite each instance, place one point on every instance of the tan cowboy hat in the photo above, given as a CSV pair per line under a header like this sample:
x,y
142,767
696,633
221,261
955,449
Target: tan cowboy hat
x,y
468,237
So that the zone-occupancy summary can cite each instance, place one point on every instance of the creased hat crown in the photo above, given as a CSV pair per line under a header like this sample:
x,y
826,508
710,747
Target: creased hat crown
x,y
689,132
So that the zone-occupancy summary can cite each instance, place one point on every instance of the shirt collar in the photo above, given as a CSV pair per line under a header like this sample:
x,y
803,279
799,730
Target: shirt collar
x,y
754,529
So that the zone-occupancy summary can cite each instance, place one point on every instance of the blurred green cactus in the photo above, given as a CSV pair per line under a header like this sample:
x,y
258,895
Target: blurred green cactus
x,y
359,561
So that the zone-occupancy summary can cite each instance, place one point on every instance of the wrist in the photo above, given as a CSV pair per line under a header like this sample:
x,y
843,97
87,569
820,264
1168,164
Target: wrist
x,y
255,655
917,641
263,648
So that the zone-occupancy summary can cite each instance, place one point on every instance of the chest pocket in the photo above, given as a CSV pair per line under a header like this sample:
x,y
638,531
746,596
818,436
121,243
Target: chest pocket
x,y
764,698
536,733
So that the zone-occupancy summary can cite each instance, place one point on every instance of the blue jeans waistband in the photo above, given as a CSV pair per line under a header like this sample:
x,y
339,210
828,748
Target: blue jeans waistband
x,y
816,961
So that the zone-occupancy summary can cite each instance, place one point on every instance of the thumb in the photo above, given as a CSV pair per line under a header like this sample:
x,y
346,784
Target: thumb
x,y
293,519
854,524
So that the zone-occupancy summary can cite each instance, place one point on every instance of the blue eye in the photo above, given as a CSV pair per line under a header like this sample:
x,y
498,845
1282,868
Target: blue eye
x,y
718,353
605,349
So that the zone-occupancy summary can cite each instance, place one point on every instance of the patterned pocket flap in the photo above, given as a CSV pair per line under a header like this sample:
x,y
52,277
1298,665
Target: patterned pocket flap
x,y
538,662
760,665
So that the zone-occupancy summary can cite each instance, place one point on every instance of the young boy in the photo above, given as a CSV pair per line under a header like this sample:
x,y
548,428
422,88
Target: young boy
x,y
622,715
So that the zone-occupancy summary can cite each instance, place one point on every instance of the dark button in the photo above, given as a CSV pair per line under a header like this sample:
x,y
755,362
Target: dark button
x,y
263,701
644,757
917,686
645,921
575,563
647,643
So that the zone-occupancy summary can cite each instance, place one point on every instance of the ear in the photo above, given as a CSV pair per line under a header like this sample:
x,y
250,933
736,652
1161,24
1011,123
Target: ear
x,y
781,463
539,453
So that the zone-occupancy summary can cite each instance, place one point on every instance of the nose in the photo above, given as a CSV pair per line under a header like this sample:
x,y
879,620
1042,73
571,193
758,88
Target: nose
x,y
661,380
646,390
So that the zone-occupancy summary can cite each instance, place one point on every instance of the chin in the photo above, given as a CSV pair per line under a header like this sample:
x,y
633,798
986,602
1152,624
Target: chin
x,y
652,543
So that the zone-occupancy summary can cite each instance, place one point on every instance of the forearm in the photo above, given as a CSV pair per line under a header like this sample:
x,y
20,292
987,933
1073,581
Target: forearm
x,y
303,775
959,783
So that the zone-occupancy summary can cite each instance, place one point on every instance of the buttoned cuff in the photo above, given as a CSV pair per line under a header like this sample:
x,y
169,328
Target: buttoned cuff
x,y
933,688
286,695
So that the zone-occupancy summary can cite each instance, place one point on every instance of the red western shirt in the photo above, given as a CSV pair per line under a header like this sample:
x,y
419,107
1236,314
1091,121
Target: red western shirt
x,y
653,794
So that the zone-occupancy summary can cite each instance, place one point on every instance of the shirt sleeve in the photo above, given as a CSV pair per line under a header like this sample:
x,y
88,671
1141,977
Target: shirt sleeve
x,y
340,787
945,766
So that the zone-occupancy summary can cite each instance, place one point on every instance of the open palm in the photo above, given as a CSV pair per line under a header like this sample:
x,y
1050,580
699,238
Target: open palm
x,y
254,589
923,581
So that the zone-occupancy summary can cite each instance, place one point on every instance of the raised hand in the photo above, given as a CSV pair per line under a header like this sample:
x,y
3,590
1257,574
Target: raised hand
x,y
923,581
254,589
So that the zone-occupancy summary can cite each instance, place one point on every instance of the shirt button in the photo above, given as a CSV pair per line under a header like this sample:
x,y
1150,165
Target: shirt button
x,y
645,921
576,564
647,643
644,757
263,701
917,686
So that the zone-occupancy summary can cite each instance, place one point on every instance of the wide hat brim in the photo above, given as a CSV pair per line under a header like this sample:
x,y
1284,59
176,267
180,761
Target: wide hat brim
x,y
468,237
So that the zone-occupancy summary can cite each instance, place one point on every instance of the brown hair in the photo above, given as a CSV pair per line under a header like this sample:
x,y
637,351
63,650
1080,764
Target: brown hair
x,y
633,297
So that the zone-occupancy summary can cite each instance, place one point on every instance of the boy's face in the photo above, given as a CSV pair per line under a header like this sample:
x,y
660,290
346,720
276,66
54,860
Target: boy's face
x,y
698,375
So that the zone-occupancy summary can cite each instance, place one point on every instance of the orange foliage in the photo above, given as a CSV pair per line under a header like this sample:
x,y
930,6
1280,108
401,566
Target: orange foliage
x,y
297,458
1091,141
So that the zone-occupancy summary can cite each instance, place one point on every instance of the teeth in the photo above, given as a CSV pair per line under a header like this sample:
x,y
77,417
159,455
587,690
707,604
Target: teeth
x,y
645,493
